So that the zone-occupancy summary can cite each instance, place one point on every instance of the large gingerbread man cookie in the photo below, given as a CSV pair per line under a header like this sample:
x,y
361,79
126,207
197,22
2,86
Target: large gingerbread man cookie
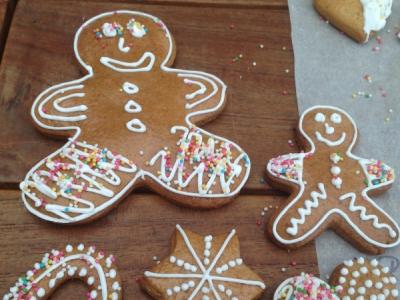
x,y
131,121
331,187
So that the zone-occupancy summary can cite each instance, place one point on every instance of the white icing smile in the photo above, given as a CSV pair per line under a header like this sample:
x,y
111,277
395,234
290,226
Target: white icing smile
x,y
328,142
126,67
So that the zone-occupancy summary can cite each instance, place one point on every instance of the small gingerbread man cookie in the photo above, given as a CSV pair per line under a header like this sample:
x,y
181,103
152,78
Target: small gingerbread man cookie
x,y
331,187
203,268
131,121
304,287
356,18
360,278
96,269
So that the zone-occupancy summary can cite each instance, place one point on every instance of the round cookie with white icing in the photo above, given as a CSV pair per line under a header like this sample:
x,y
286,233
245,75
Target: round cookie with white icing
x,y
95,268
132,120
330,187
305,286
203,268
359,19
361,278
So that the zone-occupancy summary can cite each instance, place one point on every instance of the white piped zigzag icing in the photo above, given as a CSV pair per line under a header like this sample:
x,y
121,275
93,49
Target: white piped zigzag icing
x,y
309,205
363,213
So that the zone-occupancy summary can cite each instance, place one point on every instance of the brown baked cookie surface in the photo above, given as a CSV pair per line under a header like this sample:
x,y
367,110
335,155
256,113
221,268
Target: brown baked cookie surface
x,y
203,267
330,187
131,121
356,18
361,278
95,268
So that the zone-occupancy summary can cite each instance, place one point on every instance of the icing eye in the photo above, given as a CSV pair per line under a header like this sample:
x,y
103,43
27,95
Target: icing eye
x,y
112,29
136,28
319,117
336,118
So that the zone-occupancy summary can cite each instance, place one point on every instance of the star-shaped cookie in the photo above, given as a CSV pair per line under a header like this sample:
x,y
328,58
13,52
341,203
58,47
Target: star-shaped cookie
x,y
203,267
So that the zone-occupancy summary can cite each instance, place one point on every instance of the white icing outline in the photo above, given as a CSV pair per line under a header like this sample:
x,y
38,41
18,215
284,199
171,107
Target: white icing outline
x,y
309,205
87,257
334,210
59,88
205,272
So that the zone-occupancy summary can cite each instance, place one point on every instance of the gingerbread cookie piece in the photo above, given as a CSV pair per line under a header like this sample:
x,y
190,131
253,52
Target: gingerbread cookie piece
x,y
131,121
305,286
361,278
331,187
356,18
203,267
93,267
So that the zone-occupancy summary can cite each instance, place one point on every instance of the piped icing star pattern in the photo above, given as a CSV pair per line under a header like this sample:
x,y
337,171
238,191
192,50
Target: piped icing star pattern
x,y
363,279
331,187
305,287
203,267
95,268
131,121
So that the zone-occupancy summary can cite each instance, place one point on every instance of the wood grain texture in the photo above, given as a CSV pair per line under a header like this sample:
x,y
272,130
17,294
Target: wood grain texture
x,y
272,4
258,116
139,229
6,11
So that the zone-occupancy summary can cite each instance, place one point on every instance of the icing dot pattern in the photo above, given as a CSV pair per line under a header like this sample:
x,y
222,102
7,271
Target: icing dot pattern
x,y
361,278
88,264
222,277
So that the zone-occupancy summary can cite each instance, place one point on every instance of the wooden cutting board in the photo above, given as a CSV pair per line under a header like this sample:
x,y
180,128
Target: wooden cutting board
x,y
260,115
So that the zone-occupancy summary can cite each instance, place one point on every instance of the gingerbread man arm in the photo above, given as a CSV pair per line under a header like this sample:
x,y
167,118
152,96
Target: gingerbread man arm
x,y
288,167
60,106
378,174
205,97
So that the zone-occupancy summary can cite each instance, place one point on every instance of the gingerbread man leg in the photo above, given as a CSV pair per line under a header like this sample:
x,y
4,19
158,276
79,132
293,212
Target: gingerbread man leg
x,y
201,164
294,224
374,229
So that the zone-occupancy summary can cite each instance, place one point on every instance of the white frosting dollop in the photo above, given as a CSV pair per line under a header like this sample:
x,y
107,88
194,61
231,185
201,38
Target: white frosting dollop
x,y
375,14
108,30
136,28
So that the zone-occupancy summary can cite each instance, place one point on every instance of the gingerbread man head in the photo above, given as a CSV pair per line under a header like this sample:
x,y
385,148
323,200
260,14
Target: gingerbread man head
x,y
328,126
125,39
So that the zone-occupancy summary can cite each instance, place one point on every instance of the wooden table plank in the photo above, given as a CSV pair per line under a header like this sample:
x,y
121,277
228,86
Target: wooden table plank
x,y
258,116
139,229
225,3
6,12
